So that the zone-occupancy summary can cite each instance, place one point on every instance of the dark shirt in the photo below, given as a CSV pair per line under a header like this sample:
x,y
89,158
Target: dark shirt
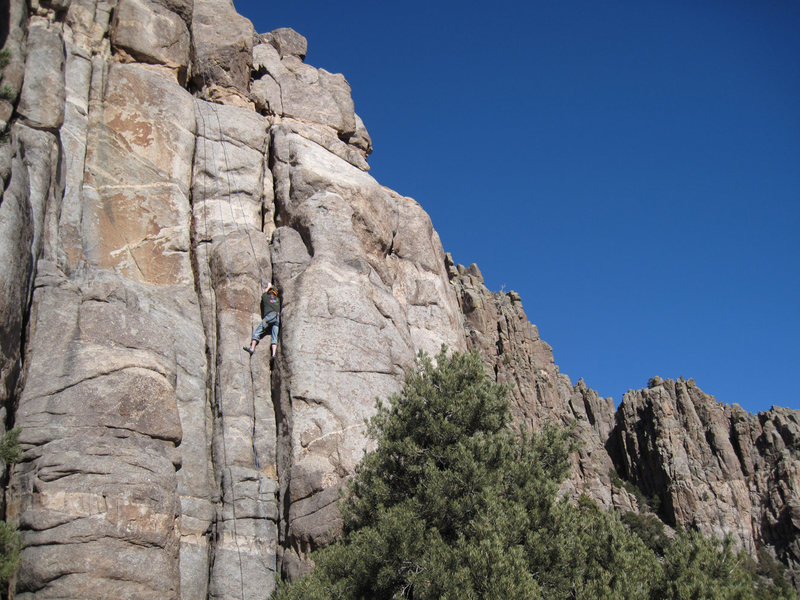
x,y
269,303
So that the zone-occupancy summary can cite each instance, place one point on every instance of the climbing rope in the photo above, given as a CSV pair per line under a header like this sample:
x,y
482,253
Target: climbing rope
x,y
219,406
231,185
248,390
239,200
231,180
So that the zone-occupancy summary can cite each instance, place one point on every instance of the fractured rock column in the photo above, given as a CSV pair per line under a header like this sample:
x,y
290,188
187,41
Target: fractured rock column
x,y
222,51
29,160
674,442
769,460
232,188
715,467
115,353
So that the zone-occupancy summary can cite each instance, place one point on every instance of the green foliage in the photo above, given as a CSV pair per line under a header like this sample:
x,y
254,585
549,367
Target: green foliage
x,y
587,553
443,507
10,547
5,58
453,505
7,93
771,575
698,568
10,544
629,487
649,529
9,447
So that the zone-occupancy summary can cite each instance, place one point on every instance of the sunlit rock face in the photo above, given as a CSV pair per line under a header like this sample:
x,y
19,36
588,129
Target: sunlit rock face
x,y
162,162
150,195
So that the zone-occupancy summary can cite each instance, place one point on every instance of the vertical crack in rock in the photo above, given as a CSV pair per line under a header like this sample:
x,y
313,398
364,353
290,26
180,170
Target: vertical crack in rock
x,y
229,198
280,396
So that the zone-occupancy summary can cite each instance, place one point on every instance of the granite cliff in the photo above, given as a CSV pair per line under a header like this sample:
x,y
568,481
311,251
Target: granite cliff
x,y
161,161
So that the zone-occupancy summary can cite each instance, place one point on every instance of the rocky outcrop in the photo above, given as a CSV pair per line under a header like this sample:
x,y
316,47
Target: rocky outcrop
x,y
364,288
497,327
321,101
161,163
714,467
670,448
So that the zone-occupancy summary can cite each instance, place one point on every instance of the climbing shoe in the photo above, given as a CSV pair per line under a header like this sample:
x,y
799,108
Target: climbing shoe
x,y
247,349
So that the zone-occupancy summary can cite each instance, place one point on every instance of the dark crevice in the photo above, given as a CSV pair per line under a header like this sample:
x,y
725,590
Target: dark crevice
x,y
281,399
390,249
208,312
5,21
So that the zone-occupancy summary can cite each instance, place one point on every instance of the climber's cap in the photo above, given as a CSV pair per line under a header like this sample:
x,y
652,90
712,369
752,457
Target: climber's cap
x,y
271,289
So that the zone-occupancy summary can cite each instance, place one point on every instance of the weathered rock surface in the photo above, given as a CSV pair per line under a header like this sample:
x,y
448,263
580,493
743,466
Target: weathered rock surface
x,y
141,219
162,164
41,100
232,187
290,88
222,50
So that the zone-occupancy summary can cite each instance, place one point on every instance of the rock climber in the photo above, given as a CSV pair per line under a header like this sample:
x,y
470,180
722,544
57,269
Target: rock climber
x,y
270,321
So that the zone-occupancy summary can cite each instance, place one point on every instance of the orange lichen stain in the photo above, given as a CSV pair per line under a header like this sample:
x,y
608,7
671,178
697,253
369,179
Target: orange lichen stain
x,y
136,131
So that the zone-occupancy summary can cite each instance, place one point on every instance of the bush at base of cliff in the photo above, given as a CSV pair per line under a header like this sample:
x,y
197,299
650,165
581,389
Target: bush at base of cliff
x,y
453,505
9,551
698,567
9,538
439,510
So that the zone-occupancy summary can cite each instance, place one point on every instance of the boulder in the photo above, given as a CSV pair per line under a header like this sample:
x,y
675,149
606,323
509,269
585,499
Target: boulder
x,y
151,33
290,88
222,46
287,42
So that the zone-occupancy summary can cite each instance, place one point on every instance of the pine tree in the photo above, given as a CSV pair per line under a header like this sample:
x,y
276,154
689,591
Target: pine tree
x,y
441,508
9,537
454,505
698,568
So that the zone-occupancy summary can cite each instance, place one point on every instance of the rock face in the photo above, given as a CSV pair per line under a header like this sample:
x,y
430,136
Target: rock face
x,y
364,288
141,223
161,163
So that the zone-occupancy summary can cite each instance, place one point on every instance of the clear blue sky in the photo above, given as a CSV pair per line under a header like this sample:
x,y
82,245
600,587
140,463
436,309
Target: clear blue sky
x,y
630,167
